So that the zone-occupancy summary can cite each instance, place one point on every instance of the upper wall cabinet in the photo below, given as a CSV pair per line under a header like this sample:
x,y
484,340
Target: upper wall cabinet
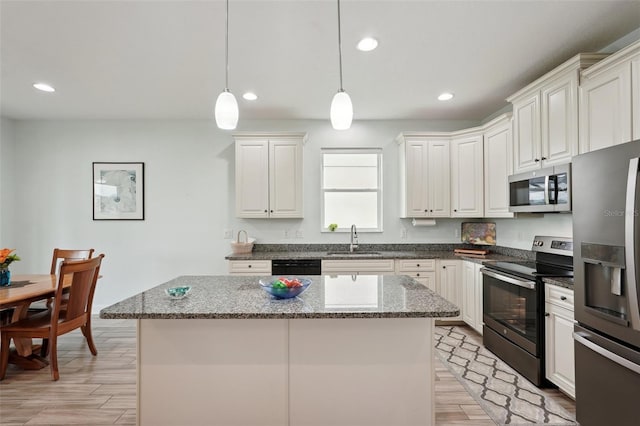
x,y
545,116
498,165
424,175
269,175
467,195
610,100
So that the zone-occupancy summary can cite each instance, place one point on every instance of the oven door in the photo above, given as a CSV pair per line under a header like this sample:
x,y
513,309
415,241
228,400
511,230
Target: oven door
x,y
511,307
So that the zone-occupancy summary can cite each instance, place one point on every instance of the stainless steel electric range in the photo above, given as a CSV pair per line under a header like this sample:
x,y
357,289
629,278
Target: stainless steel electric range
x,y
513,305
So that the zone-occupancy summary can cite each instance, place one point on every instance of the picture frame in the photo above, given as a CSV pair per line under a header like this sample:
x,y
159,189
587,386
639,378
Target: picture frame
x,y
118,191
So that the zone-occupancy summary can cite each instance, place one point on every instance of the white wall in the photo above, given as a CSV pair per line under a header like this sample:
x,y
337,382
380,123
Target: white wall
x,y
189,196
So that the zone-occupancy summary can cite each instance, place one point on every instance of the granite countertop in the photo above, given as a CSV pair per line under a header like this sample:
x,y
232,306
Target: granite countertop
x,y
560,282
379,251
240,297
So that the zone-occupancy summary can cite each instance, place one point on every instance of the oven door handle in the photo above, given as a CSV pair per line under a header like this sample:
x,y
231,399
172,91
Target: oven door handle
x,y
511,280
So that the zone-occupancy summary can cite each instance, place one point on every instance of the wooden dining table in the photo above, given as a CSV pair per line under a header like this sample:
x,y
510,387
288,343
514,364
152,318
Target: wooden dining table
x,y
24,290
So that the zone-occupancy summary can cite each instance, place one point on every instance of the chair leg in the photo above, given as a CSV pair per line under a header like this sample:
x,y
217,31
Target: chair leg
x,y
44,349
86,330
4,354
53,358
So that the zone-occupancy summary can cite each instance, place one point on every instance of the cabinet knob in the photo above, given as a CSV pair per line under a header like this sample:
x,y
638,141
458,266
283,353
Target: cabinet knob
x,y
417,265
418,274
455,210
271,211
563,297
547,314
265,211
426,210
444,267
536,160
431,211
543,158
248,266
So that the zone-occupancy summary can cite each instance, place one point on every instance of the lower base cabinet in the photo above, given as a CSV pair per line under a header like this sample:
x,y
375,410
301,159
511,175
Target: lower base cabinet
x,y
472,295
449,284
559,351
421,270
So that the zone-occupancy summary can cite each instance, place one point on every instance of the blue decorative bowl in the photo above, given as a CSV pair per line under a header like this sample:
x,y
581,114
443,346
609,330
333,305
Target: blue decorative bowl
x,y
284,293
178,292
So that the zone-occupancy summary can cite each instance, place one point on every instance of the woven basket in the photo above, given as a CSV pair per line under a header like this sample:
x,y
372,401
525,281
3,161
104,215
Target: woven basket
x,y
242,247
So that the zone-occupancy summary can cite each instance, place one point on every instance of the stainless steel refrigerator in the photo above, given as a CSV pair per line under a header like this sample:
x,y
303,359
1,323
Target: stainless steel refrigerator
x,y
606,235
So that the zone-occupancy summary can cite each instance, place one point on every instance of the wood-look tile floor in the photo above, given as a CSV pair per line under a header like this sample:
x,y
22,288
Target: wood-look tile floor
x,y
102,390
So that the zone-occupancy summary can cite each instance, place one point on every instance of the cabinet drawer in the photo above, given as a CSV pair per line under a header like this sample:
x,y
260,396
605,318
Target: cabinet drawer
x,y
245,267
407,265
358,265
558,296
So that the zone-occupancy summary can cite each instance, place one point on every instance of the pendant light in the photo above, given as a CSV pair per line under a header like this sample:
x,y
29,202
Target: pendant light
x,y
226,105
341,106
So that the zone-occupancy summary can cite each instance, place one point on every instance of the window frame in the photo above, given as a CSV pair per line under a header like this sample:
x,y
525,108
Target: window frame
x,y
378,190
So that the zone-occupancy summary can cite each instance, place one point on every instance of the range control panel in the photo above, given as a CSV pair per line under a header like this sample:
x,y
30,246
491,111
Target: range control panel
x,y
557,245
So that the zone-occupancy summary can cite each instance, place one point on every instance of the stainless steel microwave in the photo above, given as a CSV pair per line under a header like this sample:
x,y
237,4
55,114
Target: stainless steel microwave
x,y
543,190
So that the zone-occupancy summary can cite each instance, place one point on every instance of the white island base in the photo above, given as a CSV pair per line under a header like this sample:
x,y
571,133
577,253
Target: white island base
x,y
278,372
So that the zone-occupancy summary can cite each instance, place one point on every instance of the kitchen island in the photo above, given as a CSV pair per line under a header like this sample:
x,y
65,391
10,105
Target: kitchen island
x,y
350,350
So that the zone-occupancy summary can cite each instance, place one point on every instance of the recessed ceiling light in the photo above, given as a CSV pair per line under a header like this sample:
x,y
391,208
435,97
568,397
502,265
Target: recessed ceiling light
x,y
250,96
445,96
367,44
44,87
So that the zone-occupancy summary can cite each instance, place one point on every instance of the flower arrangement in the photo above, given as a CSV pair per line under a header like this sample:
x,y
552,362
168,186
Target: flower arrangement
x,y
6,258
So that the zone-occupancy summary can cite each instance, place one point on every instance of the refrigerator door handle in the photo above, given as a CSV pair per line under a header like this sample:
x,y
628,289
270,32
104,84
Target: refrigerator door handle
x,y
630,244
579,338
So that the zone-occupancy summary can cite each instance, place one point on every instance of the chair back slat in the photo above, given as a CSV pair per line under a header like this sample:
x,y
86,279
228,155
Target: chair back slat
x,y
85,275
59,255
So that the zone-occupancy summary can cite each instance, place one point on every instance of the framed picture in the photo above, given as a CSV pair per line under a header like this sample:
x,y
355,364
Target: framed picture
x,y
118,191
479,233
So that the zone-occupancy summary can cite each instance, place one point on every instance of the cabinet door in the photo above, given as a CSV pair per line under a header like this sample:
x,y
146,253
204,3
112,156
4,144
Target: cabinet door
x,y
559,114
467,193
635,86
498,165
478,301
416,163
285,179
605,108
526,134
469,293
427,279
252,178
438,179
559,351
450,283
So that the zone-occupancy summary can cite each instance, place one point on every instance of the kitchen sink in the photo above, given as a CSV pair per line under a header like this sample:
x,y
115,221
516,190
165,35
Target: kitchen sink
x,y
354,253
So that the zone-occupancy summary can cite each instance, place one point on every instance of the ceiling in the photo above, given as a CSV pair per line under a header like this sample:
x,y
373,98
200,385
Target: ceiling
x,y
165,59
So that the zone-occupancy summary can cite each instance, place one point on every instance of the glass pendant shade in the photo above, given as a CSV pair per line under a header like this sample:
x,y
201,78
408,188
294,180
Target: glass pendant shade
x,y
226,111
341,111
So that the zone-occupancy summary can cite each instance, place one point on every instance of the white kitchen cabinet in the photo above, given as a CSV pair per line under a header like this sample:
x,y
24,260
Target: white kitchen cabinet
x,y
559,350
545,116
269,175
609,100
358,266
449,283
472,294
498,165
421,270
467,192
250,267
424,175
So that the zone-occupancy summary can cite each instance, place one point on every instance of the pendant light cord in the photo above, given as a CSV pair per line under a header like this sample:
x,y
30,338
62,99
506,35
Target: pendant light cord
x,y
226,51
339,47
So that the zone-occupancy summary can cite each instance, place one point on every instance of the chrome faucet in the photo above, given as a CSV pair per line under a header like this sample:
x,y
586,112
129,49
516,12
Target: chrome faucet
x,y
354,237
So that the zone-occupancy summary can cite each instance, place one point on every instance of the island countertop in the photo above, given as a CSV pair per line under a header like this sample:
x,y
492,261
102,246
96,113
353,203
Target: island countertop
x,y
240,297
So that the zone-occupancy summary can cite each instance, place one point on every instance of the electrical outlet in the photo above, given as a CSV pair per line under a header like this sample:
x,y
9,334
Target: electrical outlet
x,y
299,233
456,232
403,233
228,234
286,233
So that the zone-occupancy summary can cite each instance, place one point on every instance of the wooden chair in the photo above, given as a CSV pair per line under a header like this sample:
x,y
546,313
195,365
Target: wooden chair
x,y
50,324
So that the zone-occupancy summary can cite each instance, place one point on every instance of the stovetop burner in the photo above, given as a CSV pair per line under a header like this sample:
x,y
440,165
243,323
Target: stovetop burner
x,y
530,270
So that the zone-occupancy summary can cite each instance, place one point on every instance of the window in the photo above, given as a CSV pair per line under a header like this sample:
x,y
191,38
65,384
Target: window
x,y
352,189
